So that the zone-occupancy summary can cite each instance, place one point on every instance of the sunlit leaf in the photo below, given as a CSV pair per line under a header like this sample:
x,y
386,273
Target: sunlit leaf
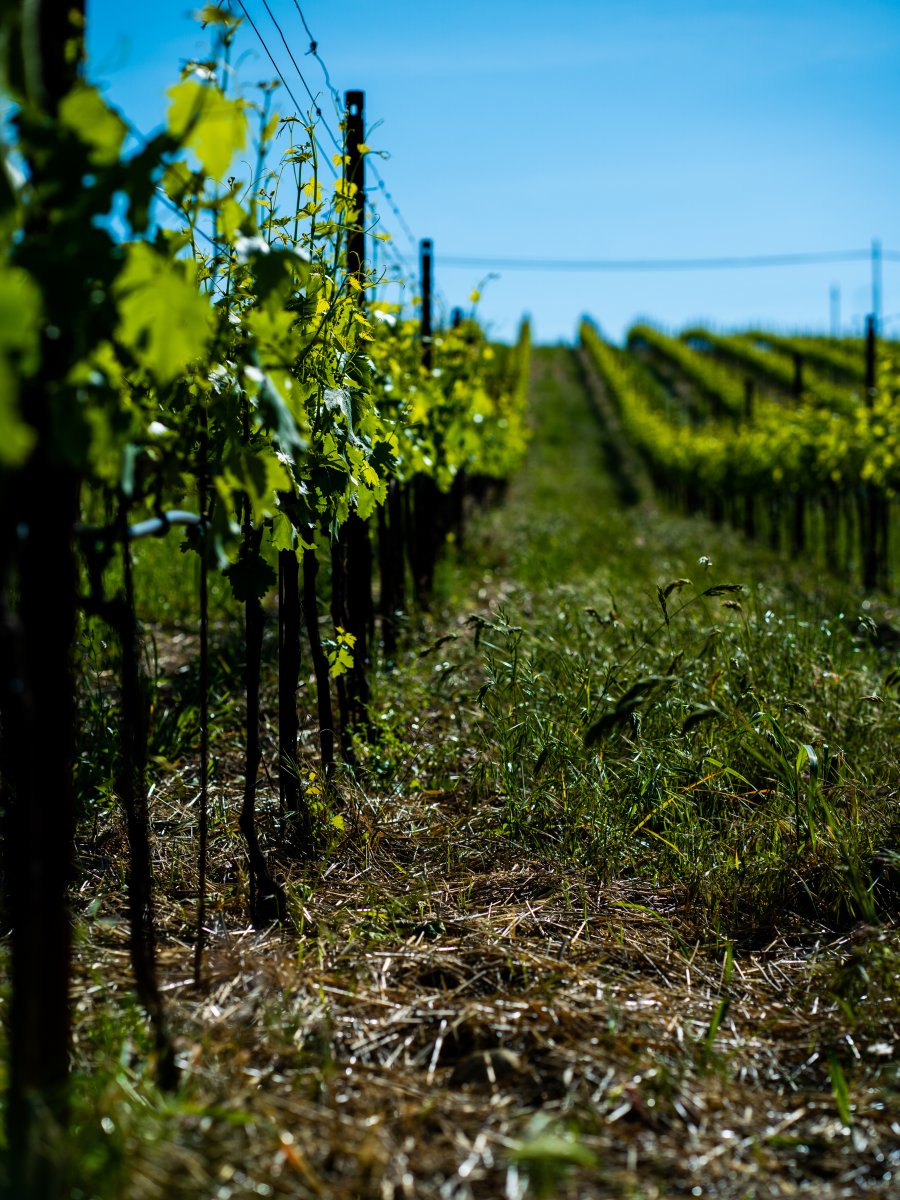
x,y
164,321
90,118
208,123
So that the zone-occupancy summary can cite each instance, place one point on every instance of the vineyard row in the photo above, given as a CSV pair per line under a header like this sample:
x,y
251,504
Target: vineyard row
x,y
810,476
187,343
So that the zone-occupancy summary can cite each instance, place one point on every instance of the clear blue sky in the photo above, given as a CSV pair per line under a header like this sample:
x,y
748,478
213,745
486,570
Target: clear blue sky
x,y
597,129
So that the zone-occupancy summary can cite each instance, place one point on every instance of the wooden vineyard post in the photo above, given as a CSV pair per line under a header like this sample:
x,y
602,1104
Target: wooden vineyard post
x,y
131,786
424,534
354,137
267,901
798,515
873,511
352,605
310,568
295,816
203,814
798,375
37,686
871,359
426,269
750,498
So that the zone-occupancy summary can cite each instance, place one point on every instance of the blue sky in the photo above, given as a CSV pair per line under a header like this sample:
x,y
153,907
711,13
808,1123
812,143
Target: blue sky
x,y
618,129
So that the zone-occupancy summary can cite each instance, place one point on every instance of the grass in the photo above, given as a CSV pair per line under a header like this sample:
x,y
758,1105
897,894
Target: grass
x,y
606,910
743,742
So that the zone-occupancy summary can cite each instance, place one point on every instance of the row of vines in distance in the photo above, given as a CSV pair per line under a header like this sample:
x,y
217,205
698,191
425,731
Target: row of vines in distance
x,y
184,346
814,472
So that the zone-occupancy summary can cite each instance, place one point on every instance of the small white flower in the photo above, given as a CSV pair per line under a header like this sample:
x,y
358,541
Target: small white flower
x,y
157,429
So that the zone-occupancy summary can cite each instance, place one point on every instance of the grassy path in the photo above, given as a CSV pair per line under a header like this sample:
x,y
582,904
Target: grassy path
x,y
533,968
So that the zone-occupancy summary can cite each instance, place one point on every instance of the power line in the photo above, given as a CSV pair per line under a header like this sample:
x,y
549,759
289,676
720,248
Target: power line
x,y
732,262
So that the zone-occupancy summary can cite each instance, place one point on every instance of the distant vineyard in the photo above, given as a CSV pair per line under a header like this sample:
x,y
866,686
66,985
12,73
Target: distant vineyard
x,y
814,468
777,368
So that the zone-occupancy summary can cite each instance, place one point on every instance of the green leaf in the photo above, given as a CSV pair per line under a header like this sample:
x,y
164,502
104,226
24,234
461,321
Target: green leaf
x,y
212,14
278,418
366,502
251,576
839,1089
715,1022
20,323
232,217
282,532
20,318
16,438
257,472
99,127
552,1148
279,274
214,127
164,320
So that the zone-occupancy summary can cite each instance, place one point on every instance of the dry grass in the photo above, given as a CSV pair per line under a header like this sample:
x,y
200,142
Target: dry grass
x,y
459,1019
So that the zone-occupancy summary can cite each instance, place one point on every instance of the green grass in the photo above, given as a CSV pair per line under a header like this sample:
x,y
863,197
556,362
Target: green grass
x,y
744,741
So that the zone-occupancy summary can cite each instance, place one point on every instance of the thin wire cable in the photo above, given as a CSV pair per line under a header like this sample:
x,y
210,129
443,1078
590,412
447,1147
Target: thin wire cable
x,y
409,271
405,268
314,51
297,107
732,262
302,78
411,237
